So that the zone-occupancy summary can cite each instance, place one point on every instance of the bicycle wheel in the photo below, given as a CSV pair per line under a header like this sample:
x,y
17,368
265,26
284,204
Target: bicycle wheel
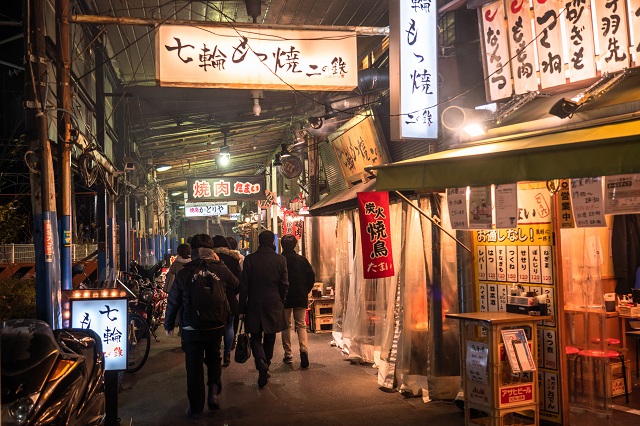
x,y
138,343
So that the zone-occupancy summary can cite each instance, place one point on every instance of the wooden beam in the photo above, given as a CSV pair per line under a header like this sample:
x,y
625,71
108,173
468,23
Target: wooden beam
x,y
151,22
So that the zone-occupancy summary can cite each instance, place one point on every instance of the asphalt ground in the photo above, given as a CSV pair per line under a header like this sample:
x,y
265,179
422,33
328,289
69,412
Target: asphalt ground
x,y
332,391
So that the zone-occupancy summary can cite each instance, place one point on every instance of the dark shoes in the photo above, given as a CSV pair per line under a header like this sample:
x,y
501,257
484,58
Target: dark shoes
x,y
212,401
193,416
304,360
226,361
263,378
288,359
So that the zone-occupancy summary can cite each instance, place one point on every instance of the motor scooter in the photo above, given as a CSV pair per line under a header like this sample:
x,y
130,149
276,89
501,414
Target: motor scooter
x,y
51,377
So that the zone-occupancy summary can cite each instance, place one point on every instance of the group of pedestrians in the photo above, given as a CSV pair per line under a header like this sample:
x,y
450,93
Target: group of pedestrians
x,y
266,290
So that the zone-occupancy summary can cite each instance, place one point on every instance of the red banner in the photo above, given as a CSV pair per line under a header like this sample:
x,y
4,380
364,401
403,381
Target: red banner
x,y
375,234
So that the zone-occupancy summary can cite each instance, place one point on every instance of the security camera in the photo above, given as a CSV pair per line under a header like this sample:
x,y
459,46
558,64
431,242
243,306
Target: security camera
x,y
129,166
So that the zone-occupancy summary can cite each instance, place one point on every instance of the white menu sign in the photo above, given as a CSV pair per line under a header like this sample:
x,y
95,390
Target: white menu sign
x,y
587,201
622,194
507,205
477,356
457,202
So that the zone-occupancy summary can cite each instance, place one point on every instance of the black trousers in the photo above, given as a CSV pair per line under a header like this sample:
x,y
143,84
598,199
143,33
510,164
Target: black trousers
x,y
202,347
262,348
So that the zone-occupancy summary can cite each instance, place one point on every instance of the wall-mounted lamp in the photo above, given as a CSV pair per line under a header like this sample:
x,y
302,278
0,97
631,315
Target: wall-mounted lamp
x,y
256,95
471,121
225,154
163,167
566,107
316,122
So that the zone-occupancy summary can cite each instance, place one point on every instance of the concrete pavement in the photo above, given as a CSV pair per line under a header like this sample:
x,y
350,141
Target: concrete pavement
x,y
332,391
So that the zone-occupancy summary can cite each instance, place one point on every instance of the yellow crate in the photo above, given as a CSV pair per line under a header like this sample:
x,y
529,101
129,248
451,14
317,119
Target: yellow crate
x,y
323,307
322,324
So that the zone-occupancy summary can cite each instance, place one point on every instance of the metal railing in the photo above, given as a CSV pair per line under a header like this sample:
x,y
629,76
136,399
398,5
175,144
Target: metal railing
x,y
24,253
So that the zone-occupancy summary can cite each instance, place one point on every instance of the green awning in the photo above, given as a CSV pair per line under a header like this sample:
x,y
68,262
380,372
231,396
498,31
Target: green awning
x,y
605,150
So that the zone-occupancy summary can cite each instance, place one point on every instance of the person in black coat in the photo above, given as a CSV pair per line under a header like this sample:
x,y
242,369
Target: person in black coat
x,y
199,346
231,259
263,290
301,279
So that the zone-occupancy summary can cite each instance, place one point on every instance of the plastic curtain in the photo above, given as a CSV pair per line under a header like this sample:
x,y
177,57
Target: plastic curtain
x,y
585,326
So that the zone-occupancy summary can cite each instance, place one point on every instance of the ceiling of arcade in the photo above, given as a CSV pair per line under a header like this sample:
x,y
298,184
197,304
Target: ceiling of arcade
x,y
183,126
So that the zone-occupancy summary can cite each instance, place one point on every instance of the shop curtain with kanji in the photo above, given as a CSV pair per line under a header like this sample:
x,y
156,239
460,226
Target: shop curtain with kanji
x,y
373,209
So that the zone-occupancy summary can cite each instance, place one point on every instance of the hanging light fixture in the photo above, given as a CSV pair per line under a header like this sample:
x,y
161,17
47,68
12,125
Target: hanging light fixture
x,y
163,167
284,152
256,95
225,153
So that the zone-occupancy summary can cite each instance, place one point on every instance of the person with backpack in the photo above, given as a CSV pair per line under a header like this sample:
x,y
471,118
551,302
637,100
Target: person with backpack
x,y
200,289
263,291
231,259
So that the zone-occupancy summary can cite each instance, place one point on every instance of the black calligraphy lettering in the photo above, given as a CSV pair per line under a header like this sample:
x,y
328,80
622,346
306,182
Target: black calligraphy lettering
x,y
542,21
288,59
412,33
179,48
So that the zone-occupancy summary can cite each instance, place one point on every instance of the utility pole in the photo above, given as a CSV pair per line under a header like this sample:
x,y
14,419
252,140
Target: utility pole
x,y
45,224
64,137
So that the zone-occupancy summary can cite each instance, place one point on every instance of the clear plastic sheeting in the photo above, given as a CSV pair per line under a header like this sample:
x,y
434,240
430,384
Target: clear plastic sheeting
x,y
396,323
585,318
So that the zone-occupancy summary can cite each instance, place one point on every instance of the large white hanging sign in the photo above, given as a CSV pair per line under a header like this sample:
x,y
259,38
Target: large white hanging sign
x,y
622,194
635,29
496,51
413,58
521,48
587,201
240,58
550,57
580,41
611,17
457,203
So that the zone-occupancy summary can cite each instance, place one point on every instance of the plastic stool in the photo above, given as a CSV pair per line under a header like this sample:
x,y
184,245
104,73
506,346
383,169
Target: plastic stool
x,y
610,341
602,355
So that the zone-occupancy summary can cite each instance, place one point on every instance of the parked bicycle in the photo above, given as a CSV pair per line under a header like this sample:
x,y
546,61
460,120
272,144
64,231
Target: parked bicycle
x,y
138,340
151,299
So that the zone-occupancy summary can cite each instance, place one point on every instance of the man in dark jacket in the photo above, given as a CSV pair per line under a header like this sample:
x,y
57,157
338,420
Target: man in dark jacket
x,y
301,279
231,258
263,290
199,346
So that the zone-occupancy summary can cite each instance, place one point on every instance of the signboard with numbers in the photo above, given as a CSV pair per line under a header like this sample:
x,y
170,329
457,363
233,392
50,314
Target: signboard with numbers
x,y
108,318
523,255
234,188
259,58
588,202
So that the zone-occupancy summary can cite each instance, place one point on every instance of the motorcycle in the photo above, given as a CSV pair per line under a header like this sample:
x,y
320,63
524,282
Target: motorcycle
x,y
51,377
152,300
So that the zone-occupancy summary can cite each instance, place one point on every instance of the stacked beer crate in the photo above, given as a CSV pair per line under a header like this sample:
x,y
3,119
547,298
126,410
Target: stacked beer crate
x,y
321,318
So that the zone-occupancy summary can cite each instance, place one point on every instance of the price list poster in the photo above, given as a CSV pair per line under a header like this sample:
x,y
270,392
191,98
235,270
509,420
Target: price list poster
x,y
523,255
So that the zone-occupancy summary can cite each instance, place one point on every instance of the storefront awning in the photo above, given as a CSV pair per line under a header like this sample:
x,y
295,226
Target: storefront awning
x,y
342,200
604,150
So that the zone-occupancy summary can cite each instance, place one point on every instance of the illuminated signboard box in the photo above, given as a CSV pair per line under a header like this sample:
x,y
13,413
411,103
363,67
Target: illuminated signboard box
x,y
236,188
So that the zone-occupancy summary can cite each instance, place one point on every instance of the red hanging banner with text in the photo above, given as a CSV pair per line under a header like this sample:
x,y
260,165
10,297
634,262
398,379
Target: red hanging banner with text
x,y
375,234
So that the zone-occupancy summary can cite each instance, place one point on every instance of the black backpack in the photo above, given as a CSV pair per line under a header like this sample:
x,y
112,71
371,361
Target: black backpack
x,y
208,305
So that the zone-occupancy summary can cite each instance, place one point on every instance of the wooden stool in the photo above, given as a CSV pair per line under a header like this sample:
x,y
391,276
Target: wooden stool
x,y
602,356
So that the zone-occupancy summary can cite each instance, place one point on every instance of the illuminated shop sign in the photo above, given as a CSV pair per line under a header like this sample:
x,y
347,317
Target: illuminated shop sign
x,y
375,234
413,71
574,41
235,188
205,209
108,318
257,58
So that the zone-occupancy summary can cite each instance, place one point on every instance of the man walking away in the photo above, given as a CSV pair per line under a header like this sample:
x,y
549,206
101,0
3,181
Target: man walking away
x,y
263,290
200,288
301,279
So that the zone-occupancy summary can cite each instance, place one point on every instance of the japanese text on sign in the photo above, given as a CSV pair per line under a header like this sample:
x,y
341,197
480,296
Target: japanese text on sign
x,y
259,58
375,234
227,188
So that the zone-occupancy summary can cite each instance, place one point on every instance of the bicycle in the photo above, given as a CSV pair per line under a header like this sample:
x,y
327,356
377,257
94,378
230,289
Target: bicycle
x,y
138,342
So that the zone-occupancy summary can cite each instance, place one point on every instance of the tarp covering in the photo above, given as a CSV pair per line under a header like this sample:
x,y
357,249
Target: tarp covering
x,y
604,150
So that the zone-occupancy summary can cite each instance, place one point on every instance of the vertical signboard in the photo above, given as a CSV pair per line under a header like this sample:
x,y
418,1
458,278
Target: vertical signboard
x,y
524,255
580,40
496,51
413,59
611,20
377,257
634,13
550,57
521,47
